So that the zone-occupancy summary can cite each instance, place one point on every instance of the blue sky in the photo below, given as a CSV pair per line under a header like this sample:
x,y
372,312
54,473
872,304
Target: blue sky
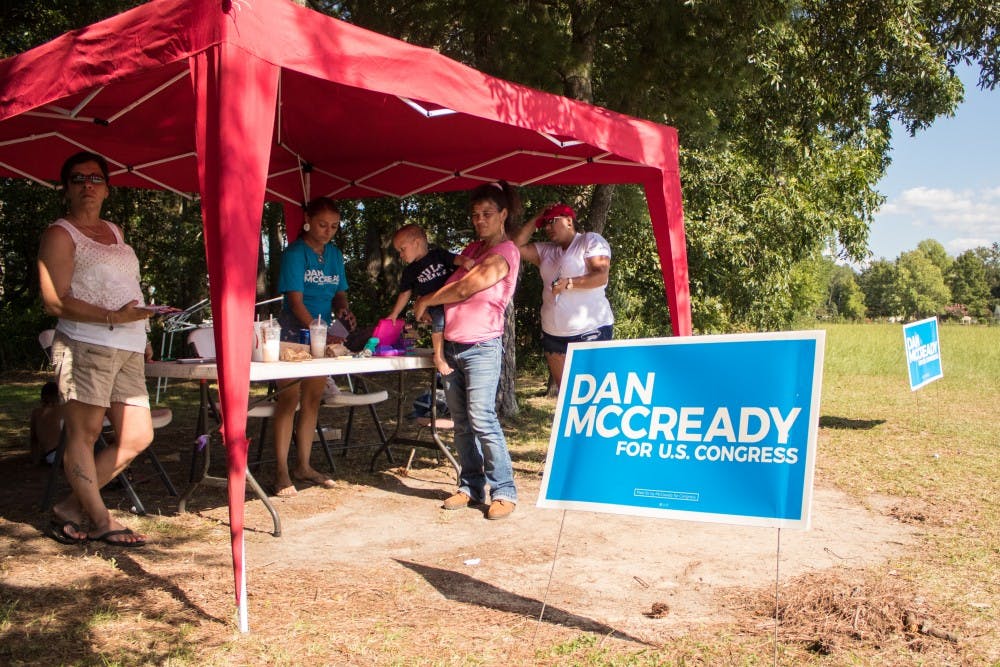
x,y
944,183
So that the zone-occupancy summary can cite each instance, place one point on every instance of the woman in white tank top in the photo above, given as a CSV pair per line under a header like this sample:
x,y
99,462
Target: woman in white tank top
x,y
89,279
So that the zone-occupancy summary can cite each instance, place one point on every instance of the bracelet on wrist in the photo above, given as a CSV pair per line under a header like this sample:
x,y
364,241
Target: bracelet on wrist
x,y
107,317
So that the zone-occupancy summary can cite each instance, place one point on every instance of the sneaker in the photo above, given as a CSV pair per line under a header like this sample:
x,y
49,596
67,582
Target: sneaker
x,y
500,509
457,501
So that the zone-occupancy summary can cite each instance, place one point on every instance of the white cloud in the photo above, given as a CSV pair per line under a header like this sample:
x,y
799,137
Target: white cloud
x,y
957,246
971,214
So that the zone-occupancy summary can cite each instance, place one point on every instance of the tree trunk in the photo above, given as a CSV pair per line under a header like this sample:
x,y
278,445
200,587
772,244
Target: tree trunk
x,y
275,247
506,395
600,206
373,251
270,242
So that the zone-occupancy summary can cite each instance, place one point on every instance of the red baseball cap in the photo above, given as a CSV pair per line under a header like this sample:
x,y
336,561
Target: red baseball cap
x,y
555,211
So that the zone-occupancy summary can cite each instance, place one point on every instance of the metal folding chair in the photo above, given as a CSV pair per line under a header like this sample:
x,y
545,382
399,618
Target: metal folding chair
x,y
202,341
356,397
161,417
45,341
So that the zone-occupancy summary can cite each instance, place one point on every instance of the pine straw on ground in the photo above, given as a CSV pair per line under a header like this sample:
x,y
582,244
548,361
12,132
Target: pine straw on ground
x,y
172,603
856,612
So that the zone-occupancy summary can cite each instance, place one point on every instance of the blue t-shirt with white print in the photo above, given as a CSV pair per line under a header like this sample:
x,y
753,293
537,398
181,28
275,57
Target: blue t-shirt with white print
x,y
319,280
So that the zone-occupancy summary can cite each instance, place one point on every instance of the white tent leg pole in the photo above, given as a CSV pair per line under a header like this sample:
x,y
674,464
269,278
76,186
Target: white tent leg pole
x,y
244,619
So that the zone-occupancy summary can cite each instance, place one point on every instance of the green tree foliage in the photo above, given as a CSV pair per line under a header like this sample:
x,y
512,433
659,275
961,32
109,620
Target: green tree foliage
x,y
878,283
920,285
28,23
937,254
846,300
966,278
809,283
915,285
25,210
823,289
783,109
991,263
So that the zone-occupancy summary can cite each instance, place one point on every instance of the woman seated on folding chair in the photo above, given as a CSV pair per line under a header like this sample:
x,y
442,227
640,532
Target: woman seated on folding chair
x,y
314,284
89,278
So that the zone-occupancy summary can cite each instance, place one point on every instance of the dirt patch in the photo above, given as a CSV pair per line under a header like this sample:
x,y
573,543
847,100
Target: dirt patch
x,y
606,570
375,571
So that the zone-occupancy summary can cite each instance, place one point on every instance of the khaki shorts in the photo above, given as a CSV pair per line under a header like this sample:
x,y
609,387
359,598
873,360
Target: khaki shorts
x,y
99,375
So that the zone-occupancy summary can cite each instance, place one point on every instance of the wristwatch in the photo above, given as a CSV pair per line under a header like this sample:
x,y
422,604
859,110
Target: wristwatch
x,y
569,283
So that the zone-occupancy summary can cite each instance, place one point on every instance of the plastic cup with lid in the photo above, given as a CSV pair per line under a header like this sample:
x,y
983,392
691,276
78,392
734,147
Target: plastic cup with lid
x,y
317,338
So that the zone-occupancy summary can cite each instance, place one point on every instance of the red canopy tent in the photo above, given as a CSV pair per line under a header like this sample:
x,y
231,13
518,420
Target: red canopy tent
x,y
242,101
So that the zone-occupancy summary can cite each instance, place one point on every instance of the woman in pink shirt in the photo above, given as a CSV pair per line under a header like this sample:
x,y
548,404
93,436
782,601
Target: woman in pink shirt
x,y
475,300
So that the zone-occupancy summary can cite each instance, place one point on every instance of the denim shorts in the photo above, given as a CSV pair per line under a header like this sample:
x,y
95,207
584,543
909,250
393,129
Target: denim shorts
x,y
437,318
558,344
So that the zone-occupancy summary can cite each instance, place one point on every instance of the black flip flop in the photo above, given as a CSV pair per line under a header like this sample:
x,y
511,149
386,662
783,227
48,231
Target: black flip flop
x,y
103,537
57,531
319,479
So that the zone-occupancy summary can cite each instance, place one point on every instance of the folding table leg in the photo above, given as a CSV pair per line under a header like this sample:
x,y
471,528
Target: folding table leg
x,y
262,494
385,442
201,426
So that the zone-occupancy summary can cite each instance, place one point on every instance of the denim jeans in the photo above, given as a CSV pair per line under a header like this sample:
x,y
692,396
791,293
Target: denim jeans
x,y
471,389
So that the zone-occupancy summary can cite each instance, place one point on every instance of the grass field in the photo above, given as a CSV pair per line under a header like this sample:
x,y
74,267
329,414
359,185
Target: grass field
x,y
927,458
936,450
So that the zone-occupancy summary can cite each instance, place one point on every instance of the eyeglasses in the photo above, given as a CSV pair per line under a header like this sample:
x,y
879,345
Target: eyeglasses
x,y
80,179
483,215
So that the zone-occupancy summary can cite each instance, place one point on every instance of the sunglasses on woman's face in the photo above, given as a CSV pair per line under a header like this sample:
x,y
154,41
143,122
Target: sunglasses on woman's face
x,y
80,179
484,215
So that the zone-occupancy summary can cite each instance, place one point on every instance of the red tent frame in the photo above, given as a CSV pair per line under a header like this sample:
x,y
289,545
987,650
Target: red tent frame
x,y
242,101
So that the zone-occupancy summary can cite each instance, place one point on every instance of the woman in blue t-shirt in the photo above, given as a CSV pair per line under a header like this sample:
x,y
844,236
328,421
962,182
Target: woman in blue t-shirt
x,y
314,284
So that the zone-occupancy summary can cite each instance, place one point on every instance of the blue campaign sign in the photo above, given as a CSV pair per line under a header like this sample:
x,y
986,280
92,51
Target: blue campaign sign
x,y
923,352
703,428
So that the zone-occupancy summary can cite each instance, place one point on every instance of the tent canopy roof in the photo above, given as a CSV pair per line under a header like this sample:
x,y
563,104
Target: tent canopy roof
x,y
362,114
242,100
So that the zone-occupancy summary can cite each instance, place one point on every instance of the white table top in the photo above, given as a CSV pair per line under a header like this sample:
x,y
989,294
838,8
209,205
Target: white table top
x,y
278,370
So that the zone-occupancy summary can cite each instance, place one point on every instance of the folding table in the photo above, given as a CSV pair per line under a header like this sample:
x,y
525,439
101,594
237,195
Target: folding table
x,y
421,360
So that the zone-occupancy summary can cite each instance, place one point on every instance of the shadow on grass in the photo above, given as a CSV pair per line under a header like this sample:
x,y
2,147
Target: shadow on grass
x,y
843,423
56,624
463,588
57,616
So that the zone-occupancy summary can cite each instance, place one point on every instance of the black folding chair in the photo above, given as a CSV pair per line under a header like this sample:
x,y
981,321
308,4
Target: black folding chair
x,y
161,417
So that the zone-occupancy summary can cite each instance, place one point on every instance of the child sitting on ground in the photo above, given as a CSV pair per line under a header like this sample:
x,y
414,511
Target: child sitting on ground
x,y
427,269
46,424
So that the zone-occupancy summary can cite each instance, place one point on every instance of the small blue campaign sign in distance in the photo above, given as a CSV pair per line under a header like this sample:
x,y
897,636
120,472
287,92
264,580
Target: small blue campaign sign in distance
x,y
923,352
703,428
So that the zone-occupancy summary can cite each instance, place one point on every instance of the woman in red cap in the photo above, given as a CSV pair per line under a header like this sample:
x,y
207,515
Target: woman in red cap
x,y
574,267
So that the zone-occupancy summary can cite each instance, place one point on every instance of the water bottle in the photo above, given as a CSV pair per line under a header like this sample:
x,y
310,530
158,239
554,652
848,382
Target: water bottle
x,y
370,346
